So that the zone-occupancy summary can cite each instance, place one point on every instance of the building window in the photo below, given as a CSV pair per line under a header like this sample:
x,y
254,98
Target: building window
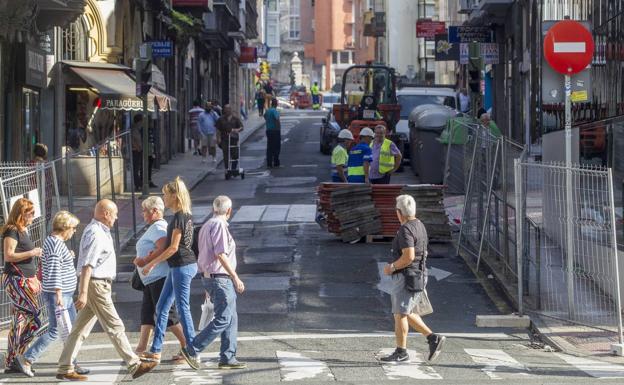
x,y
430,11
272,5
342,57
74,42
294,14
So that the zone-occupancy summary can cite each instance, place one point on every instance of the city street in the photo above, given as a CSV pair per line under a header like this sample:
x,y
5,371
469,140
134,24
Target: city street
x,y
312,312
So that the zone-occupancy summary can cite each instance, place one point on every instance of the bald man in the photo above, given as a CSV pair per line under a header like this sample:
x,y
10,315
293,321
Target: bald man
x,y
97,267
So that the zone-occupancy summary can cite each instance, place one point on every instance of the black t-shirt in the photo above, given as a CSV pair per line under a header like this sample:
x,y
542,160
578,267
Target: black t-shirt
x,y
411,234
27,267
184,255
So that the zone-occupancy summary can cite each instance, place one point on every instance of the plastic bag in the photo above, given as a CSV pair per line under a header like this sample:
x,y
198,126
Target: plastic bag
x,y
63,322
423,305
207,313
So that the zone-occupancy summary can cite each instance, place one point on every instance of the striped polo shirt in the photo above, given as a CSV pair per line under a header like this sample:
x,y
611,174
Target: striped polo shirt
x,y
58,266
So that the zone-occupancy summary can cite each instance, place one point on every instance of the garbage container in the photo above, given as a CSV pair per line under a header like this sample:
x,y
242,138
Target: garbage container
x,y
426,123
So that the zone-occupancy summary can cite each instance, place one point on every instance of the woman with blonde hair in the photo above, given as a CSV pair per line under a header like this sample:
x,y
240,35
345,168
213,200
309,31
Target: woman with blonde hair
x,y
59,284
20,280
182,268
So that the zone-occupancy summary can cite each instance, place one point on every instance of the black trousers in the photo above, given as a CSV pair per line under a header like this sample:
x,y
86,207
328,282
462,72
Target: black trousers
x,y
151,295
383,180
137,163
274,143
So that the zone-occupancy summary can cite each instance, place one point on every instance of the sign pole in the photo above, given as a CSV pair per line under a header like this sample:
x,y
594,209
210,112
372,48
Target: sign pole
x,y
569,207
146,54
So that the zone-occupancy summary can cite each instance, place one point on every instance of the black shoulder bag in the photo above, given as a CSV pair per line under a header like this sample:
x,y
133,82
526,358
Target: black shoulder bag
x,y
135,281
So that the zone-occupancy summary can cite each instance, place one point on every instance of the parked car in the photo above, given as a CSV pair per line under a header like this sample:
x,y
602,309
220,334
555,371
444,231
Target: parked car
x,y
412,97
329,99
329,133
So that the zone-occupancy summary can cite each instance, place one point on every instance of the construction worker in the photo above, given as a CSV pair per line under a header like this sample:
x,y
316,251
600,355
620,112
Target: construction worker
x,y
360,158
340,157
316,100
386,157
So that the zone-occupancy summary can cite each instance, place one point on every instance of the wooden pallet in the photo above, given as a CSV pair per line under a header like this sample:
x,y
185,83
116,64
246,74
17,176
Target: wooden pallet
x,y
379,239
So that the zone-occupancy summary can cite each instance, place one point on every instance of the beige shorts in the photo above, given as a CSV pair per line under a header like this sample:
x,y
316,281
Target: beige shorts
x,y
207,140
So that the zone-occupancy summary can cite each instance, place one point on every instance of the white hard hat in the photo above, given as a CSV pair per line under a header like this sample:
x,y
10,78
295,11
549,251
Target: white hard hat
x,y
367,132
345,134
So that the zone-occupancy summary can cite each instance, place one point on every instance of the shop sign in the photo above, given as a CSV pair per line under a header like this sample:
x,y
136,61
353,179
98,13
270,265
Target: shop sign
x,y
247,55
122,103
428,28
489,53
32,70
468,34
262,51
445,50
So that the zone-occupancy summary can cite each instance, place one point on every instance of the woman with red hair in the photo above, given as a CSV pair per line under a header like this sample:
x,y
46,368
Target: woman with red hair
x,y
20,279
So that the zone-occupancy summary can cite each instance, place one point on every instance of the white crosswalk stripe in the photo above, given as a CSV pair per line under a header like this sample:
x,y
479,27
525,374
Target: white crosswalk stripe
x,y
295,366
594,368
208,374
491,359
415,368
275,213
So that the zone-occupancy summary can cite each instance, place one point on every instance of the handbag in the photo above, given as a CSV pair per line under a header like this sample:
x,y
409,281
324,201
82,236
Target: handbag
x,y
135,281
423,305
63,322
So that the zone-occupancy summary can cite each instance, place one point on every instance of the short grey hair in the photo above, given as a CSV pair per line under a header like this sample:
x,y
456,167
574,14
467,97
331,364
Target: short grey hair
x,y
406,205
221,205
153,202
381,126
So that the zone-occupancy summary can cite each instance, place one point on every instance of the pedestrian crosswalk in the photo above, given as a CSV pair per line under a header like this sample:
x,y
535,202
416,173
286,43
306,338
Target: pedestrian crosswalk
x,y
275,213
471,364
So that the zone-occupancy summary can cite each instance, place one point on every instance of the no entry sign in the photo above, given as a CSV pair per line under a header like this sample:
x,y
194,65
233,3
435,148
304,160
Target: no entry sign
x,y
568,47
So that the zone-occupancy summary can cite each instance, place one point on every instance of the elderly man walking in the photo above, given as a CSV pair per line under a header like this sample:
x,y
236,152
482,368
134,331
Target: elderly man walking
x,y
386,157
97,267
217,263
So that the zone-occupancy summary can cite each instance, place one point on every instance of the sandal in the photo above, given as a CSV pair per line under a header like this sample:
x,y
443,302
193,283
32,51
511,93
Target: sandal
x,y
178,357
149,356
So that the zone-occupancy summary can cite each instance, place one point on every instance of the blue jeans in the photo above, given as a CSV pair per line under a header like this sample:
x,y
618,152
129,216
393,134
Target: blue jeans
x,y
225,321
177,287
41,344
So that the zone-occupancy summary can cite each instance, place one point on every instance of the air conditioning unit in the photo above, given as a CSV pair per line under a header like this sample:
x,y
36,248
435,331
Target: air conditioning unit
x,y
349,44
467,6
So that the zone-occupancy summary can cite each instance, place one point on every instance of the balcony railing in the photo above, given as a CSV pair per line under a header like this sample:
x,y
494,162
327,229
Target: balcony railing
x,y
231,5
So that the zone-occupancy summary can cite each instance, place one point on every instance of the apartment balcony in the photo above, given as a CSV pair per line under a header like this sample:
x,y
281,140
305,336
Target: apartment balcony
x,y
495,7
349,43
231,6
468,6
251,20
205,4
58,12
220,27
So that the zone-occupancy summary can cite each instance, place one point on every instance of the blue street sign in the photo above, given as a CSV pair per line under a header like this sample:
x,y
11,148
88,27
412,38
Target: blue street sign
x,y
162,48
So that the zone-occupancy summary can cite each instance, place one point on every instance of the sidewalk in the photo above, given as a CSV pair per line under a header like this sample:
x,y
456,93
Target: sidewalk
x,y
186,165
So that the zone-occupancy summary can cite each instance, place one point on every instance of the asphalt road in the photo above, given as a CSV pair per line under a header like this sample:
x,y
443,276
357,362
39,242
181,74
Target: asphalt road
x,y
312,312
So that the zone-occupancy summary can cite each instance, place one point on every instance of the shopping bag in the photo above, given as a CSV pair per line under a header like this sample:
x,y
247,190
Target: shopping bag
x,y
63,322
423,305
207,313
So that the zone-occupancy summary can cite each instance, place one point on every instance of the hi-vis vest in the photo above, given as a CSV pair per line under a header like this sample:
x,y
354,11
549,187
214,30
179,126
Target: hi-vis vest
x,y
386,159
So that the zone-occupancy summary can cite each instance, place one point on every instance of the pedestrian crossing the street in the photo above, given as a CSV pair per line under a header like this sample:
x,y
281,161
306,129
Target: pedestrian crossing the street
x,y
275,213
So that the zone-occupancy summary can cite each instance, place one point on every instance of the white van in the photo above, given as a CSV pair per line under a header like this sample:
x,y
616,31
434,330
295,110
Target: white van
x,y
411,97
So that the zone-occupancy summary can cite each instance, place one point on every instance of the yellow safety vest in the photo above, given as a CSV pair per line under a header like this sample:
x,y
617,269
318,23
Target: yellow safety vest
x,y
386,158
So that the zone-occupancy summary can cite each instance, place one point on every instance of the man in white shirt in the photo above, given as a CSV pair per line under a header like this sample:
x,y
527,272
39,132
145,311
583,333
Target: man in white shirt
x,y
464,101
97,267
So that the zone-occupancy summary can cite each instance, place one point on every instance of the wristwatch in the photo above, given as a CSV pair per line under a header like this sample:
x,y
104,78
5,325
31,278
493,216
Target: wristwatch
x,y
392,267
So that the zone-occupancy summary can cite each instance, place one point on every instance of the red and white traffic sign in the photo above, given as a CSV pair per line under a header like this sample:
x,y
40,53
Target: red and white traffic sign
x,y
568,47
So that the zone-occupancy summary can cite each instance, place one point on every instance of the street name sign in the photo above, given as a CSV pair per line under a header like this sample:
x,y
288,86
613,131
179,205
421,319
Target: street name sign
x,y
162,48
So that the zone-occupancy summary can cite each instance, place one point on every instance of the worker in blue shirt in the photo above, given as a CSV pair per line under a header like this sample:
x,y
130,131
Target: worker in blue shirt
x,y
360,158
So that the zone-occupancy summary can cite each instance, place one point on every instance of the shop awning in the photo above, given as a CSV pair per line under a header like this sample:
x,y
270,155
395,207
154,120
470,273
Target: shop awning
x,y
117,89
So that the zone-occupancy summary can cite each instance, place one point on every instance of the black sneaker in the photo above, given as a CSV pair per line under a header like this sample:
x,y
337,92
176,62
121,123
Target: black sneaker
x,y
396,356
435,346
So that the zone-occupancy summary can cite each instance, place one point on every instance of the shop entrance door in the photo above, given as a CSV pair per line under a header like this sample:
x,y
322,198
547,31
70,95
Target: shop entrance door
x,y
30,119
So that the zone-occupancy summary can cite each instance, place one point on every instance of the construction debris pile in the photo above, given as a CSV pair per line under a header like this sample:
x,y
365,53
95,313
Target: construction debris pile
x,y
356,210
349,210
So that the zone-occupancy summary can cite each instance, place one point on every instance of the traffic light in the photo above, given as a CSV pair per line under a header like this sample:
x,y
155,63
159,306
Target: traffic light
x,y
474,80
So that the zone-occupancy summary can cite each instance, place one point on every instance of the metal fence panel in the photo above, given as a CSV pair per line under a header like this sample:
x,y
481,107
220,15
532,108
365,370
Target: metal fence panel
x,y
580,285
